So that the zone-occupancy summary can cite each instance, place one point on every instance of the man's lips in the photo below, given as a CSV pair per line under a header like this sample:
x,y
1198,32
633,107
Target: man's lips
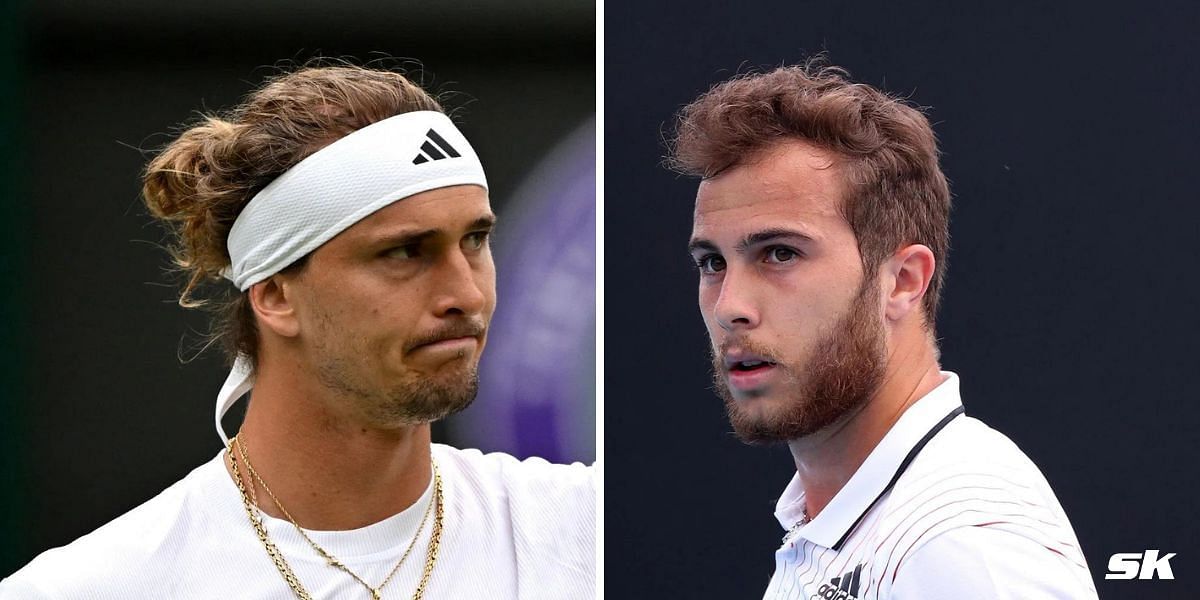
x,y
737,360
747,371
453,343
467,334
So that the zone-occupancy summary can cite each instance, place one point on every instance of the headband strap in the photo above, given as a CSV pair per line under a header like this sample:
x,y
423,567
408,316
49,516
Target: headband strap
x,y
333,189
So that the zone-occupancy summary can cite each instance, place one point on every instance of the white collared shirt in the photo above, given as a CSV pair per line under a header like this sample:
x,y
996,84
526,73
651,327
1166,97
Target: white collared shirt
x,y
943,507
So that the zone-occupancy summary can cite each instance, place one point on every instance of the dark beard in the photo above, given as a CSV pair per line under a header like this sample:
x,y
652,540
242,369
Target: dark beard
x,y
845,370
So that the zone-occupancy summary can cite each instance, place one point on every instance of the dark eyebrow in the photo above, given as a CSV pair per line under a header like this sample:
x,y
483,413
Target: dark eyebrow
x,y
409,238
701,244
751,239
484,222
768,235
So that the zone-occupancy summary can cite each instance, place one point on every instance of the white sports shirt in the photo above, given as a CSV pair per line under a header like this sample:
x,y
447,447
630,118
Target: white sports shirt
x,y
512,529
943,508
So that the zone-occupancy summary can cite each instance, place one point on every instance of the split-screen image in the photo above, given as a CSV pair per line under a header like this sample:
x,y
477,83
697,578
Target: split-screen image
x,y
565,300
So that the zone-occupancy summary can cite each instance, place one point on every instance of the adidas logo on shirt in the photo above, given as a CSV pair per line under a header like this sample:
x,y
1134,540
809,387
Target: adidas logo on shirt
x,y
840,588
435,148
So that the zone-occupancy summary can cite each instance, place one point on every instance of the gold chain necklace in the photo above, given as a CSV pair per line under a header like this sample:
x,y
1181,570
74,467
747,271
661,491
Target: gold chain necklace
x,y
281,564
330,558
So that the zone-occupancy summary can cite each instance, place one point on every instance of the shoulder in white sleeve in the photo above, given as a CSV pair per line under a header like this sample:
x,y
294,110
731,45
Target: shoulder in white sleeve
x,y
19,587
549,509
985,563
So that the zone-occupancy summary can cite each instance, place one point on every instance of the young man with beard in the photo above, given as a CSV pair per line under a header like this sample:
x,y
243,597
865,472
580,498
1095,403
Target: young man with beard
x,y
353,219
820,234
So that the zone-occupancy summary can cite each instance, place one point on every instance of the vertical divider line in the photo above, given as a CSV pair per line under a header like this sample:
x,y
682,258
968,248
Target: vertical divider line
x,y
16,219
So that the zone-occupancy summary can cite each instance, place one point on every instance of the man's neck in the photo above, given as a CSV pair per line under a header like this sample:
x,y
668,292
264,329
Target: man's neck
x,y
331,472
826,460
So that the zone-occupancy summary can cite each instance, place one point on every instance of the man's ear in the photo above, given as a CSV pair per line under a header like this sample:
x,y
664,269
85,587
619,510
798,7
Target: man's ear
x,y
911,270
273,300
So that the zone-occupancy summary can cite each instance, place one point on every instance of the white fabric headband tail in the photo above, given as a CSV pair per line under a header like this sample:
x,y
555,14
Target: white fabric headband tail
x,y
333,189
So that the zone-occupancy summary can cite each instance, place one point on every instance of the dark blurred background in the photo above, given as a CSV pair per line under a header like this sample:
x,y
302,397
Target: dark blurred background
x,y
1069,132
98,413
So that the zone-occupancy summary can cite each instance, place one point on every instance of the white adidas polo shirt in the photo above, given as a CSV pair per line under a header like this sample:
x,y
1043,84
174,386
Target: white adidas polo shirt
x,y
943,508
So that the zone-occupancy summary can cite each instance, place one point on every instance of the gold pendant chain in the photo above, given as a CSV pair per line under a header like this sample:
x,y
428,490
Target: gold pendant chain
x,y
256,521
251,502
329,557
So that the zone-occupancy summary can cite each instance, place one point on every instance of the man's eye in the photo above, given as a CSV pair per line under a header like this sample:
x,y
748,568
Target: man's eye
x,y
405,251
710,263
477,240
780,254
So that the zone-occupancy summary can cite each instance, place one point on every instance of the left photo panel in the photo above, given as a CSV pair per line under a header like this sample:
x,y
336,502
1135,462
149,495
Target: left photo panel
x,y
301,301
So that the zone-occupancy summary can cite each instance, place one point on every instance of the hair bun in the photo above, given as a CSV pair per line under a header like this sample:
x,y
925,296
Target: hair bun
x,y
193,184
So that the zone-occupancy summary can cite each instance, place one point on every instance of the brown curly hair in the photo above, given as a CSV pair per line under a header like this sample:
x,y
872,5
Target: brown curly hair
x,y
896,192
199,183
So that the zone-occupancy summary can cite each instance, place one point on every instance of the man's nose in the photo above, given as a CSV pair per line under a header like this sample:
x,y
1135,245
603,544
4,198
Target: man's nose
x,y
460,286
735,307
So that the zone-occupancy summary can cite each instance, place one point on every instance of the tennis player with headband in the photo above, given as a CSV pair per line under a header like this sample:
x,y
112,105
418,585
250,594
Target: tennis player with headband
x,y
353,218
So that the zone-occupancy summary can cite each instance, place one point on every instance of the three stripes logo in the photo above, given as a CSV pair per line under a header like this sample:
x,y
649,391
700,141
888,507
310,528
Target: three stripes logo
x,y
840,588
435,148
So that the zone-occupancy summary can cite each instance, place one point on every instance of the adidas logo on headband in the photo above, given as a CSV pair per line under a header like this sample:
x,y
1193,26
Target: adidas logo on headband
x,y
435,148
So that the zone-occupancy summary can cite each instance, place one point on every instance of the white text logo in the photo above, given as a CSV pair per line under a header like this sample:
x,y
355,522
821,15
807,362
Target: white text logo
x,y
1140,565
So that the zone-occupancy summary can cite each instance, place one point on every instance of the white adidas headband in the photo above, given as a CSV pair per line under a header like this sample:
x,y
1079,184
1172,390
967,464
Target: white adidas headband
x,y
333,189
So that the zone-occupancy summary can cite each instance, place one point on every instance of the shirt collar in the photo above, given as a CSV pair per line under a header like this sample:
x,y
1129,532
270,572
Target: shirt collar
x,y
873,476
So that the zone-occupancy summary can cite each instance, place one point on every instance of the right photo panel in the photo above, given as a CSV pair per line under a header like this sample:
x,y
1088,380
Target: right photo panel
x,y
899,301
